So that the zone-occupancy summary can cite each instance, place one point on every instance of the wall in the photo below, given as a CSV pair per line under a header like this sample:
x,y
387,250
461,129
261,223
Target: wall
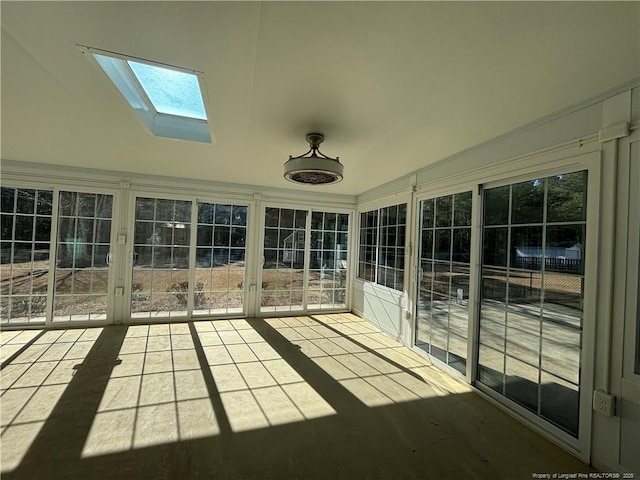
x,y
612,443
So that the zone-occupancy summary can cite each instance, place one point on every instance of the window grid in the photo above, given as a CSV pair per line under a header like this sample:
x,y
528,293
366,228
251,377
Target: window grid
x,y
368,245
443,289
532,295
220,258
26,216
328,260
160,284
382,244
284,264
83,244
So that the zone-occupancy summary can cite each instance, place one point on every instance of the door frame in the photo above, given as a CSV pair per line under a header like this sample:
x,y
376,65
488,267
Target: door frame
x,y
259,264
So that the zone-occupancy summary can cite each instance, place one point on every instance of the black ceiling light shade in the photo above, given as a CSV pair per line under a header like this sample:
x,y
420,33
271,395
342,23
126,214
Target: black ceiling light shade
x,y
313,167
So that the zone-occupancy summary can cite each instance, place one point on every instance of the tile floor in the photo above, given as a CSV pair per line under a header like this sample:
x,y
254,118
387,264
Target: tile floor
x,y
319,396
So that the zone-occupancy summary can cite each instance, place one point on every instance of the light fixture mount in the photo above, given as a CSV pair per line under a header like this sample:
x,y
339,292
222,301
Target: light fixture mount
x,y
313,167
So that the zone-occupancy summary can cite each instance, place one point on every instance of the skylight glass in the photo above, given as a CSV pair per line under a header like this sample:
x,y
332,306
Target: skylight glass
x,y
170,91
168,100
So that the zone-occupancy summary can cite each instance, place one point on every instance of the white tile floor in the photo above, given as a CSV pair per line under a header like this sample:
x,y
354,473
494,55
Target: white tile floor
x,y
325,396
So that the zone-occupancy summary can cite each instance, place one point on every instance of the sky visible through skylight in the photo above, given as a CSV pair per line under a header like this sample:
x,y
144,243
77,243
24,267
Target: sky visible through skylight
x,y
171,92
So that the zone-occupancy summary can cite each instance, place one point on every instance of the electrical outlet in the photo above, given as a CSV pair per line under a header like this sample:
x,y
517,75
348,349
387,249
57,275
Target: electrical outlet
x,y
604,403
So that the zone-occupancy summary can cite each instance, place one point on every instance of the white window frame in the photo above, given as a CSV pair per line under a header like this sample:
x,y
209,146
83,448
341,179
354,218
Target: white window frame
x,y
409,232
578,446
194,199
159,124
473,278
260,258
86,187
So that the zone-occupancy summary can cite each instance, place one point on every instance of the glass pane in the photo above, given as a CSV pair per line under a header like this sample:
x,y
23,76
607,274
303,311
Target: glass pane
x,y
239,215
26,201
428,213
526,248
560,402
223,215
182,211
441,277
171,91
8,199
43,229
494,286
523,335
564,250
521,383
6,222
24,227
561,351
491,368
164,210
145,208
330,221
442,245
426,283
286,218
461,245
68,204
462,209
221,236
457,353
567,197
496,206
104,206
87,205
444,206
44,204
300,219
527,203
343,222
205,235
460,284
272,217
494,246
205,213
525,289
427,244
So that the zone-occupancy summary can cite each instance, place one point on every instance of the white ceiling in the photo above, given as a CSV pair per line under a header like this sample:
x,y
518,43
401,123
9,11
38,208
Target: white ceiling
x,y
394,86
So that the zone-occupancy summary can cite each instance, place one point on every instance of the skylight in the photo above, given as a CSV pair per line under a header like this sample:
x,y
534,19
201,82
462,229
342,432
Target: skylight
x,y
170,91
169,100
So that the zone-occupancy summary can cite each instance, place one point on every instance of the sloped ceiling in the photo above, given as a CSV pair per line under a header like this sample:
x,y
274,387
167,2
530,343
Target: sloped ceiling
x,y
394,86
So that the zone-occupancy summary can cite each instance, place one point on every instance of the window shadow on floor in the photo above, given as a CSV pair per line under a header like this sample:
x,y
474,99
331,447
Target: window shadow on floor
x,y
274,398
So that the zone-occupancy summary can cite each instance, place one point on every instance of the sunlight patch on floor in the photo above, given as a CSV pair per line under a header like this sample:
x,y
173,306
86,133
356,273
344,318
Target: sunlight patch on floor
x,y
34,381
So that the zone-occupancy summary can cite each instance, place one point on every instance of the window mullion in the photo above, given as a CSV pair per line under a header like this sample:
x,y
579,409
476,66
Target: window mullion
x,y
53,253
192,257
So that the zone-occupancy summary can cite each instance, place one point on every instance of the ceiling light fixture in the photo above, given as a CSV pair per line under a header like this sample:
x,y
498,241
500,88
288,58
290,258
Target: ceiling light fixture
x,y
313,167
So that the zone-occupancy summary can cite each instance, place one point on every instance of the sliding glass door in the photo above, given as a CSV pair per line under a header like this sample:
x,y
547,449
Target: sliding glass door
x,y
532,295
189,258
26,249
78,236
443,283
82,257
305,260
162,234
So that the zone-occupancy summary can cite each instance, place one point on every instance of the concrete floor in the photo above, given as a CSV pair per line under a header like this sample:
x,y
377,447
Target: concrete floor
x,y
321,396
